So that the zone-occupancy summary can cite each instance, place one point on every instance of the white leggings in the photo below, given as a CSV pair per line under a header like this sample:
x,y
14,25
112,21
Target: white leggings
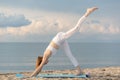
x,y
75,29
61,37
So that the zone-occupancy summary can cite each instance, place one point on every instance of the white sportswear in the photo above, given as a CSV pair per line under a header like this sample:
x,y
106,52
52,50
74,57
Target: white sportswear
x,y
60,40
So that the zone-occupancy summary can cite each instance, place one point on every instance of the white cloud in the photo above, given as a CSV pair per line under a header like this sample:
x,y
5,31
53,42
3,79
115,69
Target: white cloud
x,y
42,23
48,23
101,27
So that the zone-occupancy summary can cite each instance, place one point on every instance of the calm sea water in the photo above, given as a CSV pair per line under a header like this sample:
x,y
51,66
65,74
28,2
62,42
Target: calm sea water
x,y
18,57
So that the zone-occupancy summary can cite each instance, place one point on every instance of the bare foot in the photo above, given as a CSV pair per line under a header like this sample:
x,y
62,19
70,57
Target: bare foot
x,y
78,71
90,10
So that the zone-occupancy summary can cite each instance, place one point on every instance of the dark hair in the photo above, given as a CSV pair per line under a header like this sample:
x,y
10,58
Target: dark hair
x,y
38,61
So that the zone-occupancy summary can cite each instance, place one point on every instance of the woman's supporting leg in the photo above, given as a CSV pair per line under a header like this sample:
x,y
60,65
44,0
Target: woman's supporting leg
x,y
69,53
71,57
80,21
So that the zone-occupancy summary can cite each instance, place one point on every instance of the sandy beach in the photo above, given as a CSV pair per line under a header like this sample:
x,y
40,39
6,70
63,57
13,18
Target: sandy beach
x,y
104,73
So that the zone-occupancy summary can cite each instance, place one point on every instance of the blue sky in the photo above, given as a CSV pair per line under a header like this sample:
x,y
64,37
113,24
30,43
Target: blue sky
x,y
40,20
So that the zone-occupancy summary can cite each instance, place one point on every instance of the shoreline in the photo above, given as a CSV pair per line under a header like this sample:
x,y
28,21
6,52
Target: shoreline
x,y
104,73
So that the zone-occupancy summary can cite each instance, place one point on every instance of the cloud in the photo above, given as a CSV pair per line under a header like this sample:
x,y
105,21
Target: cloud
x,y
35,22
13,20
95,22
41,26
45,24
97,26
49,25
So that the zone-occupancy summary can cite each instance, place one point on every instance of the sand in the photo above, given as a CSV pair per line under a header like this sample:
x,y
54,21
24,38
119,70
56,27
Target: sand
x,y
104,73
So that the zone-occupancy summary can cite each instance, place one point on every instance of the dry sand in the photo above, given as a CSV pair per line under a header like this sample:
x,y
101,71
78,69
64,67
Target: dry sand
x,y
106,73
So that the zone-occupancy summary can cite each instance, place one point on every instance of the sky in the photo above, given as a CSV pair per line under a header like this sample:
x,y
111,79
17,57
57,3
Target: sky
x,y
41,20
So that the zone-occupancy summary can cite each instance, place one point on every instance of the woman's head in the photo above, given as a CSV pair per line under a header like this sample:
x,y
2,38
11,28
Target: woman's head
x,y
38,61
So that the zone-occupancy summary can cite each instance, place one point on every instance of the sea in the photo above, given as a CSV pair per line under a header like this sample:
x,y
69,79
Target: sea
x,y
21,56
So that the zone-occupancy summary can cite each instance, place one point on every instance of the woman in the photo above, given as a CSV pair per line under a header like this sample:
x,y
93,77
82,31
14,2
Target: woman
x,y
60,41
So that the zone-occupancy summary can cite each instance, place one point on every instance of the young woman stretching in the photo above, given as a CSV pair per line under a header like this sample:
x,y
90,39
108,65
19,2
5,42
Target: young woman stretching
x,y
60,41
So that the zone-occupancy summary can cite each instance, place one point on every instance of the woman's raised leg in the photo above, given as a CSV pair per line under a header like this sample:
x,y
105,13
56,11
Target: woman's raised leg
x,y
80,21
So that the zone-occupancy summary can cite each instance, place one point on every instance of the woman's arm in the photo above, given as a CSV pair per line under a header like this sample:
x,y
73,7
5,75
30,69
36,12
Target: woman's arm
x,y
46,55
